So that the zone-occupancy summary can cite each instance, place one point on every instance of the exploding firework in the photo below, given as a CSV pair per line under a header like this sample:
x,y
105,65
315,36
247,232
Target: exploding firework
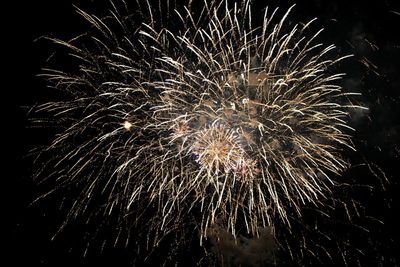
x,y
204,118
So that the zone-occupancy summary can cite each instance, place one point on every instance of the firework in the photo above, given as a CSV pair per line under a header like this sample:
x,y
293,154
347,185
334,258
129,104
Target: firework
x,y
205,115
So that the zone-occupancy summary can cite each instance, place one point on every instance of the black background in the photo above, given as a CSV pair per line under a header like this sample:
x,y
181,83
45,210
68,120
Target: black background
x,y
348,24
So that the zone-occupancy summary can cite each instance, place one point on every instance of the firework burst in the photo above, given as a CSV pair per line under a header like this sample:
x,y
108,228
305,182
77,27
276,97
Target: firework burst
x,y
207,115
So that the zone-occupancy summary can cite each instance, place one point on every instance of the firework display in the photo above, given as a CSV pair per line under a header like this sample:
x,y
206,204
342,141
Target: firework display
x,y
200,116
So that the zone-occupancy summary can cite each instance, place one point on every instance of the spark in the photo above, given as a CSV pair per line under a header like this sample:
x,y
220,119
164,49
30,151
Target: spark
x,y
127,125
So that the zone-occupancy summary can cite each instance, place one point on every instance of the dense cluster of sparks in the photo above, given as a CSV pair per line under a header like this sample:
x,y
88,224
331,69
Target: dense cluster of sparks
x,y
204,112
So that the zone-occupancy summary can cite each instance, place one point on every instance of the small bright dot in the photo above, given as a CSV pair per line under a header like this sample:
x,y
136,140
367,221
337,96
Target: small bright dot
x,y
127,125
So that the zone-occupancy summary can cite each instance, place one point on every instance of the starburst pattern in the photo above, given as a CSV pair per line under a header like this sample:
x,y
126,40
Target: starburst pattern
x,y
217,115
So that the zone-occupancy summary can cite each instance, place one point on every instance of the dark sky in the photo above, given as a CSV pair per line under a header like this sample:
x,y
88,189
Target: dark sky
x,y
367,29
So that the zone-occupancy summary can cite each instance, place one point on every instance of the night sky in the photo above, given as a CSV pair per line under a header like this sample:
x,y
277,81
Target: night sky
x,y
367,29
